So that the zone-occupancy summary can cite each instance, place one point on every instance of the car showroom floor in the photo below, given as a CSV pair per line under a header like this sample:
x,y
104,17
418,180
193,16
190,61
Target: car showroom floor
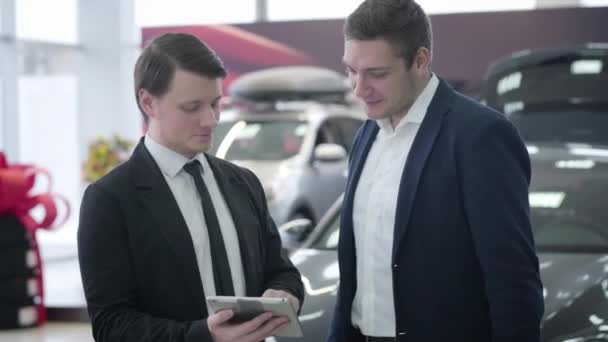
x,y
50,332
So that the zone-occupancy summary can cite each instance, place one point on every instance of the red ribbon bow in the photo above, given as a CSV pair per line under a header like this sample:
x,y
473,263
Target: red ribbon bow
x,y
16,182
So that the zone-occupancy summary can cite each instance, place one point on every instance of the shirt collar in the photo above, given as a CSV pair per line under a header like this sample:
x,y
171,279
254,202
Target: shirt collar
x,y
169,161
417,111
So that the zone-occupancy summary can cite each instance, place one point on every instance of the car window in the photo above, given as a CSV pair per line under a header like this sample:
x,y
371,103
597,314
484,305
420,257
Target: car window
x,y
348,128
327,134
566,126
259,140
218,135
567,79
553,97
340,131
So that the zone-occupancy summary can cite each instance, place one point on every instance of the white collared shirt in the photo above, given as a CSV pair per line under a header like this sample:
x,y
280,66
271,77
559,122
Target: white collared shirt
x,y
374,211
188,199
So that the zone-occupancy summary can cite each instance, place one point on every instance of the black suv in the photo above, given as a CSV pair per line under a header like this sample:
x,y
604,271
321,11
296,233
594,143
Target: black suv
x,y
553,95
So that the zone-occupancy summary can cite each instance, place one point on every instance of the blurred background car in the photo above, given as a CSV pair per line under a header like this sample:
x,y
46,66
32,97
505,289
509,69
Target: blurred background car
x,y
558,94
293,127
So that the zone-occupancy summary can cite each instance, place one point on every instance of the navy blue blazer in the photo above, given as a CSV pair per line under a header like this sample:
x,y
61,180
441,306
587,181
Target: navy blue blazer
x,y
464,262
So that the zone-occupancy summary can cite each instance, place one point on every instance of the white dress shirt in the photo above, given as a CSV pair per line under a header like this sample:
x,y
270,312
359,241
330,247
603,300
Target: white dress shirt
x,y
188,199
374,210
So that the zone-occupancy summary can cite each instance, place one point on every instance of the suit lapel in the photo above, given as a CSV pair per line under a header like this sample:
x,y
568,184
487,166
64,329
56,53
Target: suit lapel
x,y
164,214
416,160
241,210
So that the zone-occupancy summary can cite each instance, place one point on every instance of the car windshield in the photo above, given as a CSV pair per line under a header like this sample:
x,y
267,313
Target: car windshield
x,y
568,204
258,139
568,126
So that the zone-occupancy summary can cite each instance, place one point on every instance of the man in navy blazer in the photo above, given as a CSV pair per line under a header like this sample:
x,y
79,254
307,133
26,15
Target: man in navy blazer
x,y
435,240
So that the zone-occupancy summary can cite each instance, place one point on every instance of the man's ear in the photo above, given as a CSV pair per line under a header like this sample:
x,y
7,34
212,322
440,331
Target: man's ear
x,y
146,102
422,59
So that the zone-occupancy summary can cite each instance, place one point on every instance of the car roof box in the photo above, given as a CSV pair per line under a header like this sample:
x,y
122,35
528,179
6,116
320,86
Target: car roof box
x,y
290,83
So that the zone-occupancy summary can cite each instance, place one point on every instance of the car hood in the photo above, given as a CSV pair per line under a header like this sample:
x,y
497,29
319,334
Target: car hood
x,y
575,291
319,269
576,296
265,170
554,151
566,277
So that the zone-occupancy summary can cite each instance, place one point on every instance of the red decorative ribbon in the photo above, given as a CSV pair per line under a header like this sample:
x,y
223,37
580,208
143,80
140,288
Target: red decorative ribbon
x,y
16,182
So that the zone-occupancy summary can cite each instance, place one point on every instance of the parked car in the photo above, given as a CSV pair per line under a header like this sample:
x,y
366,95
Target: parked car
x,y
293,128
557,94
569,213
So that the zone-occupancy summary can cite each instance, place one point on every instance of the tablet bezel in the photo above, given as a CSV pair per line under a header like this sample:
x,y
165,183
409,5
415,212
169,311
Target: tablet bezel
x,y
276,305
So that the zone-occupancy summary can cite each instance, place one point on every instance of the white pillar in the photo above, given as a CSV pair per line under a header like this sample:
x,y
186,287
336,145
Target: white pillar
x,y
110,46
9,120
261,10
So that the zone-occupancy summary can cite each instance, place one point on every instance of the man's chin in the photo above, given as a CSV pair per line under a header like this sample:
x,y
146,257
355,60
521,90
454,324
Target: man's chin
x,y
375,114
200,148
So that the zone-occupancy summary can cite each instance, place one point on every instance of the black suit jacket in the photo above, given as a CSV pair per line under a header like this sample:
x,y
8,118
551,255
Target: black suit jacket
x,y
463,256
137,261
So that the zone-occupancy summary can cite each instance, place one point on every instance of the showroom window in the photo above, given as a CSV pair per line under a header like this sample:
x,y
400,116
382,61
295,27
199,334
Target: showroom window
x,y
35,23
289,10
48,119
47,97
151,13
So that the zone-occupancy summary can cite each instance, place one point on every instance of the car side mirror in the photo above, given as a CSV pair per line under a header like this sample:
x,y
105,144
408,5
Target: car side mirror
x,y
294,232
329,152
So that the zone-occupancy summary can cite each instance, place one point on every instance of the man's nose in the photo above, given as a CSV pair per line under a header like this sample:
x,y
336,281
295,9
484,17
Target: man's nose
x,y
208,117
359,86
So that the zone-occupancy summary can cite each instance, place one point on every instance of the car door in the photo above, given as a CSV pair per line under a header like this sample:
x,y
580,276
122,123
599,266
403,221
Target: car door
x,y
327,178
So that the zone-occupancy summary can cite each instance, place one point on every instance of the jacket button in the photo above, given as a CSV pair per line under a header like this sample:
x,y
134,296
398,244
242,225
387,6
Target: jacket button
x,y
395,266
401,333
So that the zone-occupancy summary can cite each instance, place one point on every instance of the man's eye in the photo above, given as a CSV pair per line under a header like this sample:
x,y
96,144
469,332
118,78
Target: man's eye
x,y
379,74
190,109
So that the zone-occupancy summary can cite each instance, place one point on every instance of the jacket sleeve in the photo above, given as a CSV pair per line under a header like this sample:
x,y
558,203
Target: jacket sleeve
x,y
109,282
495,168
279,271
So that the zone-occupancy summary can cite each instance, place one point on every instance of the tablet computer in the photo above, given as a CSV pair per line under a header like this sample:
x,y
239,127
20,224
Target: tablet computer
x,y
247,308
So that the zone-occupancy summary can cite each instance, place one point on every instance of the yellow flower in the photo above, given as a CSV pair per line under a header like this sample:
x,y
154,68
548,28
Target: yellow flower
x,y
104,155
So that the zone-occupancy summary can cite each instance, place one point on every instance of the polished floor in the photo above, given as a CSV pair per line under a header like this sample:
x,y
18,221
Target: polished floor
x,y
50,332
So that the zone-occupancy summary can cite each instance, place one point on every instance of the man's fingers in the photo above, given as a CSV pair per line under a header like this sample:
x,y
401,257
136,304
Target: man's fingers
x,y
271,327
250,326
295,302
220,317
272,293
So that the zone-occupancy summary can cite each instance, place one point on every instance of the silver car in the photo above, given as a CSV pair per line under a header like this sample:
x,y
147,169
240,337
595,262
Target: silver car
x,y
299,150
293,127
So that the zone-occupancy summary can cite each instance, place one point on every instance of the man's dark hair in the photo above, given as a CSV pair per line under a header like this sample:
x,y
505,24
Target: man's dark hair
x,y
403,23
158,61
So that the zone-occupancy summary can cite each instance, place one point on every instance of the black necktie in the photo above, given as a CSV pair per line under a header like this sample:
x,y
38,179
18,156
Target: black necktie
x,y
219,258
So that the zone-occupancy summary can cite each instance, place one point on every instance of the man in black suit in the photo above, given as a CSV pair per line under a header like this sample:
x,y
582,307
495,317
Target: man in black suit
x,y
435,237
173,224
